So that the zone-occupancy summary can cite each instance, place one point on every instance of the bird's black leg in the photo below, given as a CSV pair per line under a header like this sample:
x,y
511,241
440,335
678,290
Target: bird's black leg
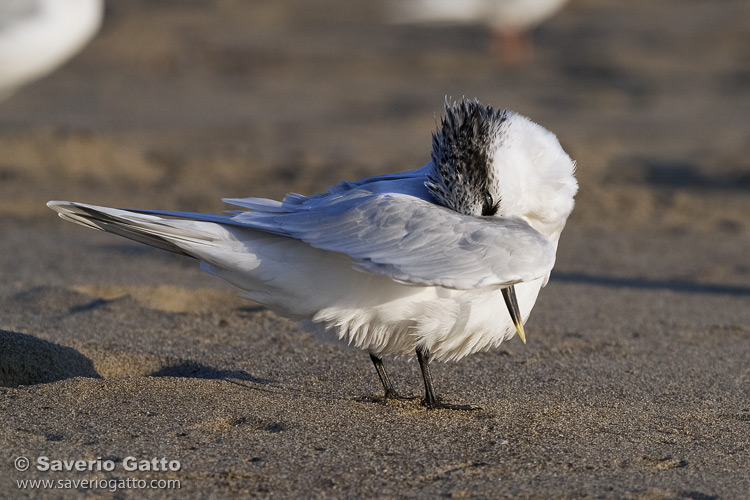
x,y
431,399
388,389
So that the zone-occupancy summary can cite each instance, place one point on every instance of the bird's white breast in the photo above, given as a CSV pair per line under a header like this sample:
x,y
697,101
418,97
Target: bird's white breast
x,y
449,323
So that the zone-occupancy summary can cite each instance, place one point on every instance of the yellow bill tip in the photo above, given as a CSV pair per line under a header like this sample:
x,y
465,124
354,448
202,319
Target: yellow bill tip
x,y
521,333
509,294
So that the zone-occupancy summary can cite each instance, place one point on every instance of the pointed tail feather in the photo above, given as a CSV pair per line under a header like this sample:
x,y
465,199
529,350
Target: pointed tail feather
x,y
174,235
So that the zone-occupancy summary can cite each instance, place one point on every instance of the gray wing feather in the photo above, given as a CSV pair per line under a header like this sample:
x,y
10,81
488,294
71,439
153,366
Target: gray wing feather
x,y
415,241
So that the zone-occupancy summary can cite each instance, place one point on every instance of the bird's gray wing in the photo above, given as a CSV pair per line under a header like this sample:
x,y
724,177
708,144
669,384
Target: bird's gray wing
x,y
414,241
411,183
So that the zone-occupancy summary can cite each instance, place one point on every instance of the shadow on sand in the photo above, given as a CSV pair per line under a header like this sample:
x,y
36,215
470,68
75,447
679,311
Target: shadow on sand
x,y
27,360
197,370
646,284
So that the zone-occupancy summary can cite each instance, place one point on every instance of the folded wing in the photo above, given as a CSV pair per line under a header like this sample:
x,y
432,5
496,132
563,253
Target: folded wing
x,y
412,240
406,238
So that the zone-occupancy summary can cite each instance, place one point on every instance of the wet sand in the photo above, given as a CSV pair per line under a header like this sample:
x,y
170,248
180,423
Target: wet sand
x,y
635,383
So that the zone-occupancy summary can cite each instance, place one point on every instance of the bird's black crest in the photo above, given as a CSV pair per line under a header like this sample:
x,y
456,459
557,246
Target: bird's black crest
x,y
462,156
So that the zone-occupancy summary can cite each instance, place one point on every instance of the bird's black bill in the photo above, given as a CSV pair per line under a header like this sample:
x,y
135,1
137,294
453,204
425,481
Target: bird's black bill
x,y
509,294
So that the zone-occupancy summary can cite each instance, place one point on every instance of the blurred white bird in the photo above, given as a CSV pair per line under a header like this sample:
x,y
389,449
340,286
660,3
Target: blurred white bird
x,y
37,36
509,20
419,261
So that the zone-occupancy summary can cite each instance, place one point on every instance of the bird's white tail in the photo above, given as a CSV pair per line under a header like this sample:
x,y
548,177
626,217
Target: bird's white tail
x,y
176,235
272,269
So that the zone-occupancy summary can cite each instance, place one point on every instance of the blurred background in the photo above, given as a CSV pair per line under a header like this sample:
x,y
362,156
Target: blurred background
x,y
634,383
177,103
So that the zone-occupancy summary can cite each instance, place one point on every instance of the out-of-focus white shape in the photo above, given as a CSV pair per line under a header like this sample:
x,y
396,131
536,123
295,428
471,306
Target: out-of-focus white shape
x,y
37,36
510,20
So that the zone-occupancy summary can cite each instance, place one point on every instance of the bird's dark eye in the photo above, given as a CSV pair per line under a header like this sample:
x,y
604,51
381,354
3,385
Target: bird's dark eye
x,y
489,207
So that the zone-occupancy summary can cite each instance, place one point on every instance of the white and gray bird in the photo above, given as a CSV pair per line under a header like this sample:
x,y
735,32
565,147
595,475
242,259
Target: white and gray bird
x,y
442,261
511,21
37,36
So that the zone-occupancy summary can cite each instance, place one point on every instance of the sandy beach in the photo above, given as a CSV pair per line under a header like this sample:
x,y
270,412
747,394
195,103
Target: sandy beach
x,y
634,384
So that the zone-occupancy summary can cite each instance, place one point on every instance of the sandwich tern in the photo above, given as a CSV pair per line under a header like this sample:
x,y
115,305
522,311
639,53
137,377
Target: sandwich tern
x,y
412,262
37,36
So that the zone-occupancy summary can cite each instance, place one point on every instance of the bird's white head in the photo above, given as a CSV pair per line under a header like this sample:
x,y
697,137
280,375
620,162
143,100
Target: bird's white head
x,y
498,163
